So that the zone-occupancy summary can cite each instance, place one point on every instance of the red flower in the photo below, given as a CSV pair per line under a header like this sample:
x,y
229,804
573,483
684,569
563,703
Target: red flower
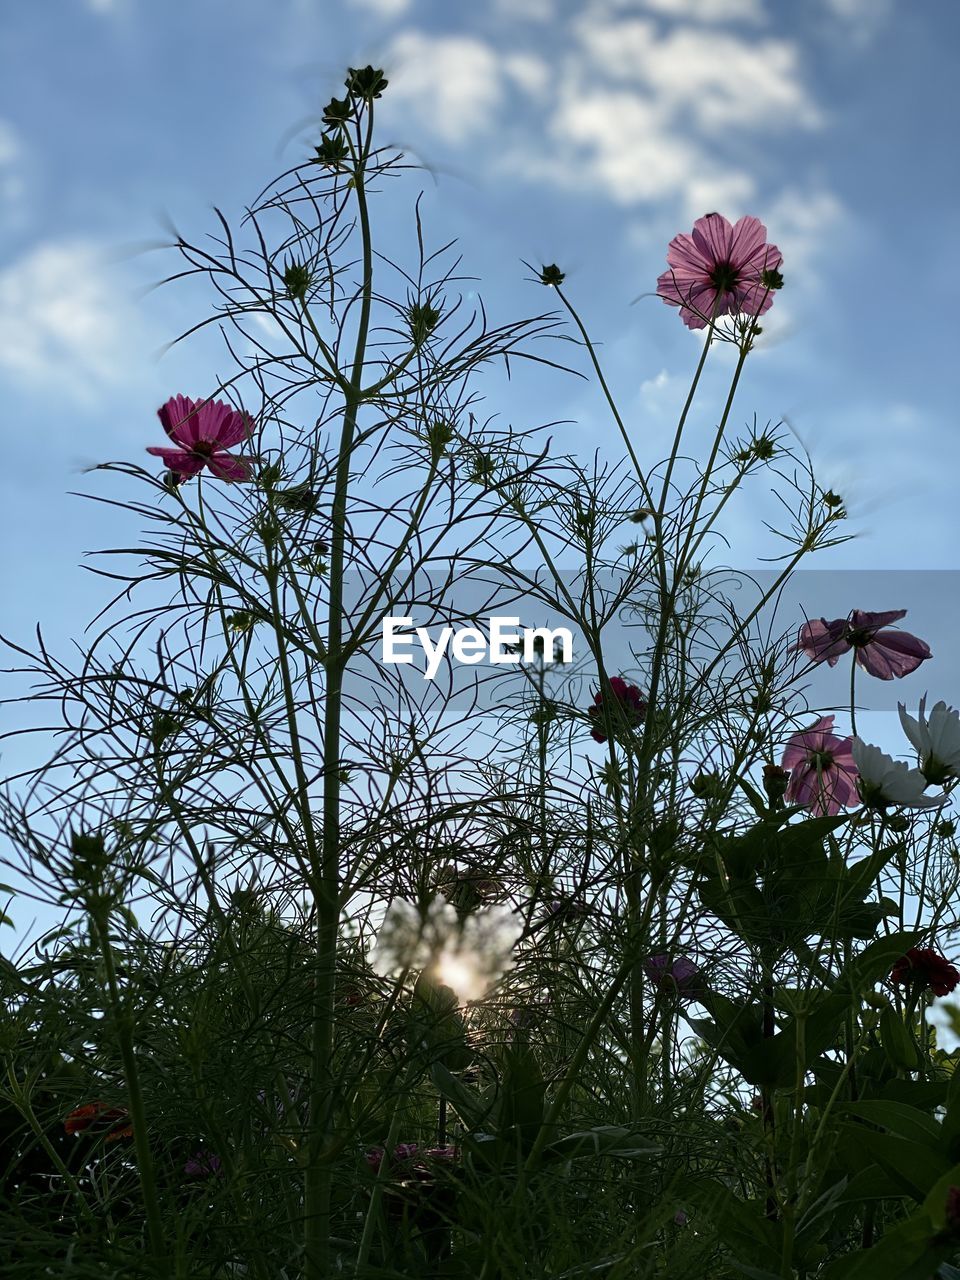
x,y
628,708
925,967
110,1123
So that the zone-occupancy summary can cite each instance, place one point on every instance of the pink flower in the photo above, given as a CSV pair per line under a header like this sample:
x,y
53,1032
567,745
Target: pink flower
x,y
203,430
402,1151
884,654
721,269
627,711
823,774
681,975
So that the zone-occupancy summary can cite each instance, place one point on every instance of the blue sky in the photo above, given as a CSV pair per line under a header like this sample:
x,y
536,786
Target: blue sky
x,y
585,133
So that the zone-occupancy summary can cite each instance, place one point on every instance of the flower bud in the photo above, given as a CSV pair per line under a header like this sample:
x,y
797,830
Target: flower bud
x,y
368,83
423,320
296,280
337,111
775,780
332,151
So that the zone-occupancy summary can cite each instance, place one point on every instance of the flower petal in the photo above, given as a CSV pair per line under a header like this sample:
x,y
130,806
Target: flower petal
x,y
185,464
226,467
181,418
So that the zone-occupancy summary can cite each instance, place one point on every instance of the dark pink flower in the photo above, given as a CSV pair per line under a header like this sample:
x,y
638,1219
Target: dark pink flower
x,y
203,430
884,654
681,975
402,1151
720,270
627,709
823,774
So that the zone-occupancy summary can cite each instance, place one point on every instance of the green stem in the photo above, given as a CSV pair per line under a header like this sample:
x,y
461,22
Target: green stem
x,y
123,1018
325,868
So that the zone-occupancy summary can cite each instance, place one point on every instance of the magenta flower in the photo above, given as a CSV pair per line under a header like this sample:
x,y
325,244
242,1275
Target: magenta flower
x,y
627,709
681,974
884,654
823,773
203,430
402,1151
720,270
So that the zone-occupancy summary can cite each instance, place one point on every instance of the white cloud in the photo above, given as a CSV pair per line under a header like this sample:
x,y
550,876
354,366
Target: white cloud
x,y
728,191
384,8
717,80
629,147
652,385
632,110
455,84
63,323
799,224
709,10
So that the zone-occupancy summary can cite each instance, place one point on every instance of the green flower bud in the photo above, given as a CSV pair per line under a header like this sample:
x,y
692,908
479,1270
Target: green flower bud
x,y
296,280
337,111
423,320
368,83
333,150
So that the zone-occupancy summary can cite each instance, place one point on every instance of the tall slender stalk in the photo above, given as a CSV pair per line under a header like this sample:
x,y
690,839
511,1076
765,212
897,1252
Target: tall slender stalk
x,y
326,869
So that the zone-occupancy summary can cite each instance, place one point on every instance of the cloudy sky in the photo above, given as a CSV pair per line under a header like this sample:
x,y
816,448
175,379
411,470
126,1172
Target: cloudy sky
x,y
581,132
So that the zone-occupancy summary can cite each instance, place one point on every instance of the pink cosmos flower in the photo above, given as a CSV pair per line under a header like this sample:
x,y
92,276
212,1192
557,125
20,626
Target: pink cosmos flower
x,y
884,654
720,270
203,430
627,710
681,974
823,773
402,1151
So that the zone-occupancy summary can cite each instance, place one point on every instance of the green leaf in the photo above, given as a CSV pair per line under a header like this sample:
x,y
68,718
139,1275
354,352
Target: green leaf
x,y
435,1022
899,1118
522,1093
741,1224
913,1166
876,960
602,1140
776,1060
469,1105
897,1041
908,1252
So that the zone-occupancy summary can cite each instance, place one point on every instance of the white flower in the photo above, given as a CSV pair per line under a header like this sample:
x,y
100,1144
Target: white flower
x,y
884,780
467,959
937,740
